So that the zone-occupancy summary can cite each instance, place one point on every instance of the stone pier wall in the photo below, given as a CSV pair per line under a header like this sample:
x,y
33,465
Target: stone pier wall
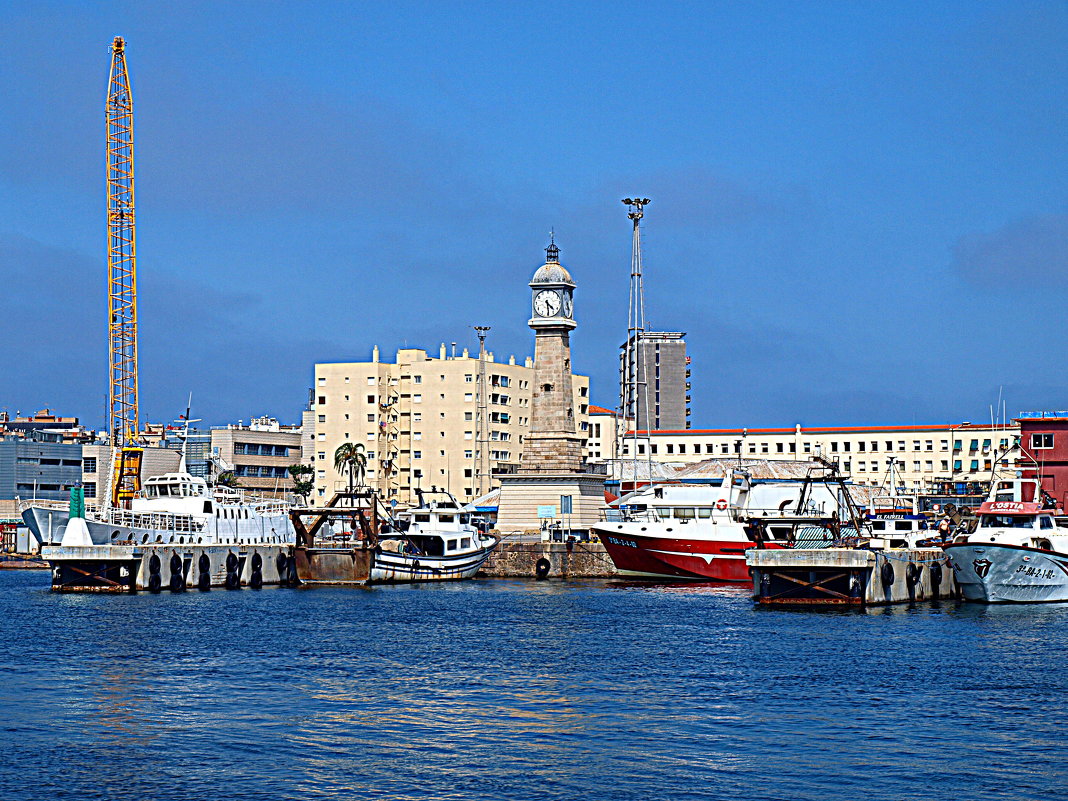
x,y
566,560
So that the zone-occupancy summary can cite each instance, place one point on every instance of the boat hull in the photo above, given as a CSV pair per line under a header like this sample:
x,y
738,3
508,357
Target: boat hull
x,y
638,555
160,568
390,567
992,573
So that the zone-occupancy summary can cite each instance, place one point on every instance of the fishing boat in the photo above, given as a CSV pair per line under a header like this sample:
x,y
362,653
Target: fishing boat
x,y
1018,552
435,541
702,531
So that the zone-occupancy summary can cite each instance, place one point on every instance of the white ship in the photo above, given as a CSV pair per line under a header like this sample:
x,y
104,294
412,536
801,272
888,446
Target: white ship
x,y
1017,554
177,532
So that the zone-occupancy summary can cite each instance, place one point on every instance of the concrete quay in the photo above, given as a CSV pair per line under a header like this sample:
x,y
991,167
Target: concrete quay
x,y
532,558
850,576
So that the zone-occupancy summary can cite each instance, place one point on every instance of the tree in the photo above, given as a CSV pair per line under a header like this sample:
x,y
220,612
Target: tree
x,y
351,456
302,483
227,479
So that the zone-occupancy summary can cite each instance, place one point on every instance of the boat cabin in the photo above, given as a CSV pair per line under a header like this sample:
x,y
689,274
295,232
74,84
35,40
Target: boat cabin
x,y
1015,522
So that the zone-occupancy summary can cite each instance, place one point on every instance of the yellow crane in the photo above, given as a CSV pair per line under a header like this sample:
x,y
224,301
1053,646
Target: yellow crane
x,y
122,283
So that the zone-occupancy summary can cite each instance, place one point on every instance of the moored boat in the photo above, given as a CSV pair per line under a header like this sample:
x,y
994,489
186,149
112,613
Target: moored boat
x,y
436,541
1018,553
702,531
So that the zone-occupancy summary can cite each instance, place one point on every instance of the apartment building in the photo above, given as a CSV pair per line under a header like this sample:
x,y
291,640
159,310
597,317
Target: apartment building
x,y
654,375
921,454
418,420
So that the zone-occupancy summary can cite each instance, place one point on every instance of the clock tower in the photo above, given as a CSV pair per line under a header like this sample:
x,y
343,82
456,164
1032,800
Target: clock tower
x,y
552,485
552,441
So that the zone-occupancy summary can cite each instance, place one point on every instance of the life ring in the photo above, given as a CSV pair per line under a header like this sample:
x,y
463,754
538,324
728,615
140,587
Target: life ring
x,y
541,569
886,573
721,504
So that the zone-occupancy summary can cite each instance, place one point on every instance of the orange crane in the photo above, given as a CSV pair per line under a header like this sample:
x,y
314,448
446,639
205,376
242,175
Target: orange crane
x,y
122,283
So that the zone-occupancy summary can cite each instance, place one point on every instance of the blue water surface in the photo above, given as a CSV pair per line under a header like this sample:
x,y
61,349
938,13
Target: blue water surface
x,y
522,690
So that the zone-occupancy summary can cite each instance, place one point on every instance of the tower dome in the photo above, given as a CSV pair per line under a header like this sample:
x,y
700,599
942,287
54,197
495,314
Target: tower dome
x,y
552,272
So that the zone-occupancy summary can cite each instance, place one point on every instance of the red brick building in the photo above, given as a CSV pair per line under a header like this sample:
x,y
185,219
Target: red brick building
x,y
1044,451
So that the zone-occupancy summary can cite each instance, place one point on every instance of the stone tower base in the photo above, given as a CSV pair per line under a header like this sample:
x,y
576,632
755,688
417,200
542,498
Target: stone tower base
x,y
522,494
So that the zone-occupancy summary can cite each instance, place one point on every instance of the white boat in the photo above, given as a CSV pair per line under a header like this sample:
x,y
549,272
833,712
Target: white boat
x,y
437,541
1018,553
176,532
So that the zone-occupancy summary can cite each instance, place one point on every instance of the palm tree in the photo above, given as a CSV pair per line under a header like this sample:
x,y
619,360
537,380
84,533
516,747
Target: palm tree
x,y
227,479
352,457
302,483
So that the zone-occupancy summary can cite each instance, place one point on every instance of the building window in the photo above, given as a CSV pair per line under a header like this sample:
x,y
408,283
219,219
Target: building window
x,y
417,454
418,379
468,397
975,465
417,398
1041,441
89,465
469,454
469,378
90,488
322,400
370,398
956,464
901,445
322,418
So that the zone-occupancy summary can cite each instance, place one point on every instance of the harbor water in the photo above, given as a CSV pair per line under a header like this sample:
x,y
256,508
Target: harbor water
x,y
520,690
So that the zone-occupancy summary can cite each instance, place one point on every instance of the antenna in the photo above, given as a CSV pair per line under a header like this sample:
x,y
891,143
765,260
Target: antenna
x,y
481,437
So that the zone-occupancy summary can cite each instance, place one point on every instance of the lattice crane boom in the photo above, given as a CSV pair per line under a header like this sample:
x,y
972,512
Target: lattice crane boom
x,y
122,279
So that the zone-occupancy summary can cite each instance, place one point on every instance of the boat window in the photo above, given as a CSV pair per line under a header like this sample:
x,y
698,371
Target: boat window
x,y
1008,521
465,542
451,545
422,518
684,512
163,492
446,518
878,525
704,512
902,525
661,511
1045,522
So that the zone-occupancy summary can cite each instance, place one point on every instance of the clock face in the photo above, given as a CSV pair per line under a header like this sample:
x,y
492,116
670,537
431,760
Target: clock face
x,y
546,303
568,309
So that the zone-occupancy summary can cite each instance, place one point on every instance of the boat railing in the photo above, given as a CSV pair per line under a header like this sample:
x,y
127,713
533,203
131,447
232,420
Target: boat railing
x,y
159,521
651,515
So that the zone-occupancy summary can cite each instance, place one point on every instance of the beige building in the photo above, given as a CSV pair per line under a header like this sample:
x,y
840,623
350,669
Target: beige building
x,y
922,454
418,421
259,454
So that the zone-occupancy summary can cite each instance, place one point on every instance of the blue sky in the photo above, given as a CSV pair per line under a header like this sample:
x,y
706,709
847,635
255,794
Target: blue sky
x,y
860,210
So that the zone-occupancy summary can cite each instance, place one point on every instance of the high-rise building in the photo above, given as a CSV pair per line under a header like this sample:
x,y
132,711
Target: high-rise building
x,y
655,380
417,420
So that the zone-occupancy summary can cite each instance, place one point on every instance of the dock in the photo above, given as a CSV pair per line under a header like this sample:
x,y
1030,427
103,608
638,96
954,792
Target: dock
x,y
850,576
532,558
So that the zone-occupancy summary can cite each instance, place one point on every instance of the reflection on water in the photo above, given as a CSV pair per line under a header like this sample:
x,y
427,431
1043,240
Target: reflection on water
x,y
522,689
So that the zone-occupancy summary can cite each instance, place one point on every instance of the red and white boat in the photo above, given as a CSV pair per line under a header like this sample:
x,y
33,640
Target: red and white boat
x,y
702,531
